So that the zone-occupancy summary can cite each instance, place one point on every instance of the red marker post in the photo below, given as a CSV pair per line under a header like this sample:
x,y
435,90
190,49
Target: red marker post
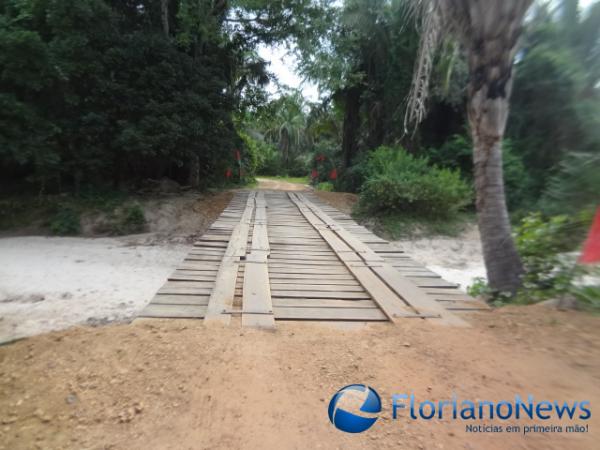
x,y
591,247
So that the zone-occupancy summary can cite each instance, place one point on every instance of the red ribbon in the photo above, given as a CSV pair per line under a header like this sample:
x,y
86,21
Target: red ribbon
x,y
591,248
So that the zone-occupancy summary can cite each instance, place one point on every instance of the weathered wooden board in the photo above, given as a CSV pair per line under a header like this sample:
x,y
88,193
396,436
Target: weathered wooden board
x,y
257,308
349,314
321,303
161,299
221,298
277,255
173,311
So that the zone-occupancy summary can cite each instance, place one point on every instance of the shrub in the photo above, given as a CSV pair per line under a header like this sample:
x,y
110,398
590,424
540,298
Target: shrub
x,y
457,153
576,185
65,222
131,220
326,186
265,159
551,271
399,182
543,245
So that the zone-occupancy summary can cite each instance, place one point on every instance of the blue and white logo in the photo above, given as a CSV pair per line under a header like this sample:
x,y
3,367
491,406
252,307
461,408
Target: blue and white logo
x,y
354,408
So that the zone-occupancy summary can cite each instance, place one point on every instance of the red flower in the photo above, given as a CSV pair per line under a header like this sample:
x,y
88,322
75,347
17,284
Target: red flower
x,y
314,174
333,174
228,173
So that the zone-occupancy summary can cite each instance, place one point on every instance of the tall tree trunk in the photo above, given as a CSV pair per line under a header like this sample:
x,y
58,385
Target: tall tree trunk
x,y
491,51
351,124
164,15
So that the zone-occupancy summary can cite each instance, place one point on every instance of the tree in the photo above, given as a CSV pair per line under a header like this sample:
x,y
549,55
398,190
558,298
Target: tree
x,y
555,104
288,128
363,58
489,31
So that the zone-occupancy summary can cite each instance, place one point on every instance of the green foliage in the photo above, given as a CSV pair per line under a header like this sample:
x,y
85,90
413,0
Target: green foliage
x,y
326,186
542,244
92,92
457,153
575,186
65,222
399,182
555,107
479,287
545,245
587,296
131,220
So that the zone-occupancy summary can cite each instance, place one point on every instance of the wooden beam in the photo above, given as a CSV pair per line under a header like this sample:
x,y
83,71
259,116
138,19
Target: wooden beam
x,y
404,288
221,297
257,306
391,305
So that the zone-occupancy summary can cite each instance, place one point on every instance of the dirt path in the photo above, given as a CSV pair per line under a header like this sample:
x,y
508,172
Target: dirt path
x,y
178,384
280,185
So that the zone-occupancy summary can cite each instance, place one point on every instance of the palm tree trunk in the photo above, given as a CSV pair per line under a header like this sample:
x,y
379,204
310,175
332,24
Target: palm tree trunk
x,y
490,84
351,124
164,15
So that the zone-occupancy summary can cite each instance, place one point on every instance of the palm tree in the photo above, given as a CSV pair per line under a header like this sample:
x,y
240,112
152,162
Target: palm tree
x,y
289,129
488,30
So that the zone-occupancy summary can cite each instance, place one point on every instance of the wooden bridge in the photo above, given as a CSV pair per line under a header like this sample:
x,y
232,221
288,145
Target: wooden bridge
x,y
276,255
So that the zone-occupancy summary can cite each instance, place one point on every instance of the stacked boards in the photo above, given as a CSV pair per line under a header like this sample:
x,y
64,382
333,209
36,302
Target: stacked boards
x,y
275,255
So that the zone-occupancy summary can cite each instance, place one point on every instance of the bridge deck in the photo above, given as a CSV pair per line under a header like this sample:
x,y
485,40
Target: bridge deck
x,y
275,255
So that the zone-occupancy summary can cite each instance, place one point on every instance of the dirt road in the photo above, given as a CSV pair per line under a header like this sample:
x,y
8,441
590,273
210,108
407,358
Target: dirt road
x,y
279,185
181,385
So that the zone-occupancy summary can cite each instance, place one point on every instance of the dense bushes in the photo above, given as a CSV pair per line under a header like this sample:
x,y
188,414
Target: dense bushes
x,y
399,182
93,92
575,186
457,153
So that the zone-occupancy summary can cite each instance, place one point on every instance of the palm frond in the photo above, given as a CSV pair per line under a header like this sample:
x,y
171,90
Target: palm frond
x,y
430,23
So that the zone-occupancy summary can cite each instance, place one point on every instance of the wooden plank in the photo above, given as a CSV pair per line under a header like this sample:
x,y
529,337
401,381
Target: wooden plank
x,y
321,303
193,265
275,262
309,276
403,287
161,299
223,293
182,276
320,294
304,270
174,311
257,307
287,286
345,314
388,301
184,291
297,257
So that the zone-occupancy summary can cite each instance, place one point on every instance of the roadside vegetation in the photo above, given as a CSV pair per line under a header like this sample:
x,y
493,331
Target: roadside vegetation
x,y
114,213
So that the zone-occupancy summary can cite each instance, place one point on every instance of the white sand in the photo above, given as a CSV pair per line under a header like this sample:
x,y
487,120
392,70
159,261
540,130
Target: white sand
x,y
458,260
52,283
